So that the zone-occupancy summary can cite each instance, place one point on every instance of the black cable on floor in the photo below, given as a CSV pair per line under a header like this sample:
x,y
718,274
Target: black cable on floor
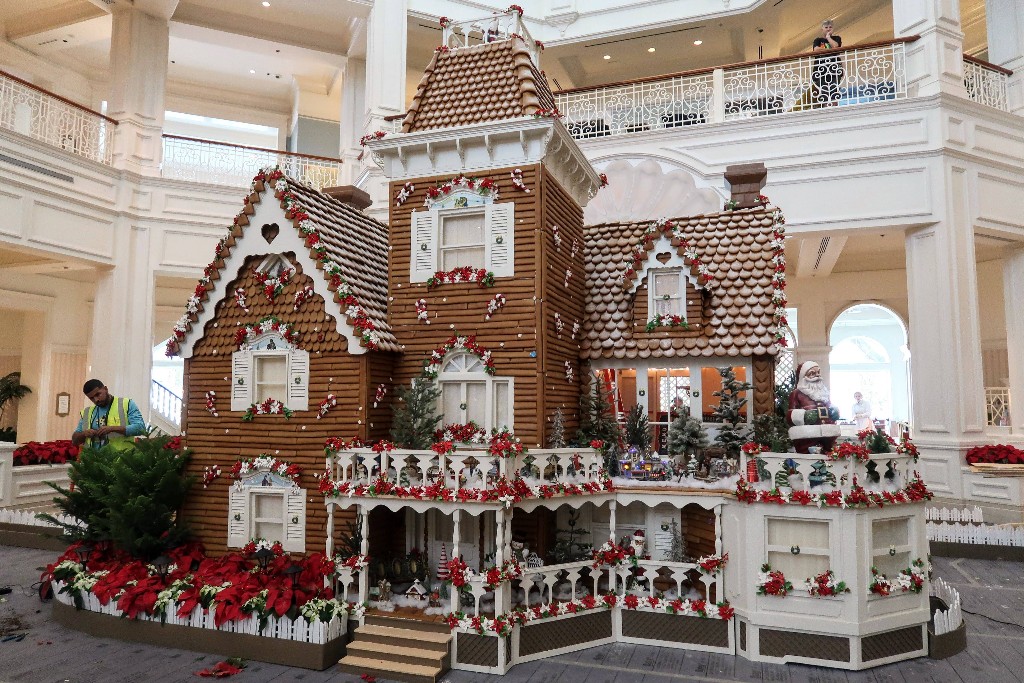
x,y
985,616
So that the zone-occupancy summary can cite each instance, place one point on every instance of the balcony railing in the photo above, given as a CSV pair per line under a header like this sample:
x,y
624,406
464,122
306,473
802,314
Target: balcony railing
x,y
470,32
165,402
221,163
889,472
54,120
847,77
997,406
986,83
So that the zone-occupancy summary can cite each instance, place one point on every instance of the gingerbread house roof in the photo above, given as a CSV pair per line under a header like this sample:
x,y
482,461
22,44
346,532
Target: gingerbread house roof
x,y
349,248
487,82
741,252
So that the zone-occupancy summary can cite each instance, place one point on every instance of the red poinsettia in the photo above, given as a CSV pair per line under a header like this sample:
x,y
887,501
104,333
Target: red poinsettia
x,y
45,453
999,453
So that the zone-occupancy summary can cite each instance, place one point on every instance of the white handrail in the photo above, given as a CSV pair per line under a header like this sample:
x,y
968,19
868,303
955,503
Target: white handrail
x,y
165,402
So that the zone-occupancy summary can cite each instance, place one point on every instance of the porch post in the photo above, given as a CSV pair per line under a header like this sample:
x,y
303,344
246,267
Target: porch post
x,y
456,532
611,520
364,549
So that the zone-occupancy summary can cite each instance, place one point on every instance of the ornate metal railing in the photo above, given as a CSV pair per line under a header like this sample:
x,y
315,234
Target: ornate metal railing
x,y
997,406
165,402
221,163
50,118
986,83
846,77
494,27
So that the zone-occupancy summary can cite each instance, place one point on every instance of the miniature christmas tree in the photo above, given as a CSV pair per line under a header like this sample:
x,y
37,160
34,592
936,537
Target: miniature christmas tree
x,y
732,433
442,565
569,544
556,439
771,432
638,429
686,435
597,422
677,551
415,414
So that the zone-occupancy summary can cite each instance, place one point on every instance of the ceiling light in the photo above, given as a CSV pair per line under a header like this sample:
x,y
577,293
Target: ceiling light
x,y
252,71
650,49
266,4
607,56
698,42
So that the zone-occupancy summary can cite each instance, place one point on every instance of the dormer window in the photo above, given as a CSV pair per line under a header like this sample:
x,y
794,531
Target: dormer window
x,y
454,234
668,292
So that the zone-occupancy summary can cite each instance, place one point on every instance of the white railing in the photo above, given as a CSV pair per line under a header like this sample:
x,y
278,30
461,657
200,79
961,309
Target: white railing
x,y
882,472
853,76
997,406
984,534
965,515
467,468
951,619
165,402
54,120
219,163
986,83
489,29
28,518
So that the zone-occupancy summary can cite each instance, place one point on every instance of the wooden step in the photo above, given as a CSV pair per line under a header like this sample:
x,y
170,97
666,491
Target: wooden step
x,y
401,637
392,671
394,653
396,621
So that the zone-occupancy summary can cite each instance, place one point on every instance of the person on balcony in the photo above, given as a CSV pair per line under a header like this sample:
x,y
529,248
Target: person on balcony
x,y
827,73
109,419
862,413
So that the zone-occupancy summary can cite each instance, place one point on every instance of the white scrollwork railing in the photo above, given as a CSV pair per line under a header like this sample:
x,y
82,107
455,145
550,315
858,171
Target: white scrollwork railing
x,y
997,406
849,77
489,29
219,163
986,84
55,121
165,402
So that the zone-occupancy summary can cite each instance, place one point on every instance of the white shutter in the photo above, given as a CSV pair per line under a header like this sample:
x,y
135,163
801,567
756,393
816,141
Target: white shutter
x,y
238,516
298,379
241,380
423,256
295,523
500,236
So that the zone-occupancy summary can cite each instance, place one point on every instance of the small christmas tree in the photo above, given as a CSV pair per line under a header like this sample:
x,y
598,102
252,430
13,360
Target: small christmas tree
x,y
597,422
677,550
686,435
638,429
415,414
442,565
556,439
569,544
732,433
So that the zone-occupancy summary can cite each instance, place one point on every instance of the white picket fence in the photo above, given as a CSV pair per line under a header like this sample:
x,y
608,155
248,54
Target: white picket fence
x,y
965,515
28,518
283,628
951,619
1003,534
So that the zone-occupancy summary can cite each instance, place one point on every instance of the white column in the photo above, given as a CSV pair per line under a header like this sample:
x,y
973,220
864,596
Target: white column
x,y
611,520
456,532
935,60
138,76
1013,289
1005,19
364,549
945,339
122,325
353,116
385,61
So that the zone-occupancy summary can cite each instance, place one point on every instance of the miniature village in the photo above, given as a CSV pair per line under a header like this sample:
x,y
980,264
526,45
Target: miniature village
x,y
485,433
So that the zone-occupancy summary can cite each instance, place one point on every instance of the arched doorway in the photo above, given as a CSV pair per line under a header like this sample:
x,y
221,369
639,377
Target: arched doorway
x,y
870,355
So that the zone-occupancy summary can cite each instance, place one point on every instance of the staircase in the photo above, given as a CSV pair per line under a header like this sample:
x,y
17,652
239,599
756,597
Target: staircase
x,y
399,649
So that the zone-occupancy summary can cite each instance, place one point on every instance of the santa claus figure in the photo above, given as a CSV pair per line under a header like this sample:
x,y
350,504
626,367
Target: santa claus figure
x,y
811,416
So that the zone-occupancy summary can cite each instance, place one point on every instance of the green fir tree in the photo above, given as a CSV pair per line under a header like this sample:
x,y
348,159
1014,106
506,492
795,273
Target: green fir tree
x,y
686,435
597,422
569,544
638,429
414,414
732,432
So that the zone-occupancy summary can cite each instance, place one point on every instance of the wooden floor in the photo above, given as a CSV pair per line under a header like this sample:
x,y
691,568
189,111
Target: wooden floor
x,y
995,651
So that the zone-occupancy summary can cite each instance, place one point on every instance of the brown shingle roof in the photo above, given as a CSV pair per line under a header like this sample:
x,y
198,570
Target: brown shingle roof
x,y
738,249
487,82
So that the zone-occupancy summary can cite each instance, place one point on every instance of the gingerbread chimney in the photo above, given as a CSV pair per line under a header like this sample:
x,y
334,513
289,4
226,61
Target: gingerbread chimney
x,y
349,194
745,182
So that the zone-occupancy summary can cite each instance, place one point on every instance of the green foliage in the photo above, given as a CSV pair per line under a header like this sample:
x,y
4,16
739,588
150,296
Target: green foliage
x,y
732,433
677,551
597,421
638,428
9,435
877,442
415,416
129,497
569,545
11,389
556,438
782,392
771,432
686,435
351,542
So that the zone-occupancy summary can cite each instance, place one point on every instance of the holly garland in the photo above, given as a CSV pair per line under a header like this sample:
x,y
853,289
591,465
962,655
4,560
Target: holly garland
x,y
674,232
403,195
517,180
421,311
240,299
456,343
915,491
325,405
495,305
825,584
771,582
266,463
485,187
482,276
210,473
247,334
909,580
302,296
273,286
712,564
211,403
271,406
667,320
470,433
778,247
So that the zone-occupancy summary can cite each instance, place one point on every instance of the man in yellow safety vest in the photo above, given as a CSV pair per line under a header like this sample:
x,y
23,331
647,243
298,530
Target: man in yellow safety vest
x,y
109,420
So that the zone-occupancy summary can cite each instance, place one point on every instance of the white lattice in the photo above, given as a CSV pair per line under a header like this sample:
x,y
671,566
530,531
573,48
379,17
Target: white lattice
x,y
997,406
986,86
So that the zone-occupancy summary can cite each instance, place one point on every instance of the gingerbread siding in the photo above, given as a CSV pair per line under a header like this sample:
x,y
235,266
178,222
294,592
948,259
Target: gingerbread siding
x,y
224,439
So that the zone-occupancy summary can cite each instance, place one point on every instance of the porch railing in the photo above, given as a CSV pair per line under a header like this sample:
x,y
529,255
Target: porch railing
x,y
165,403
986,83
847,77
997,406
467,468
494,27
221,163
54,120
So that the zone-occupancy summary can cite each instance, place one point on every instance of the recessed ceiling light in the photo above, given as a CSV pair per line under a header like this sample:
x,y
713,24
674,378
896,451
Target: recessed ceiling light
x,y
650,49
698,42
266,4
607,56
252,71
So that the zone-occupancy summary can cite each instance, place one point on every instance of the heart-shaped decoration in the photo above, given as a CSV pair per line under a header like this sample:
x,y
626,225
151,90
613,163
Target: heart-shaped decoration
x,y
269,232
664,257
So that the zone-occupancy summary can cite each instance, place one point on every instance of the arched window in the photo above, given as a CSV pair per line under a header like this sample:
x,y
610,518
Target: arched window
x,y
469,394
